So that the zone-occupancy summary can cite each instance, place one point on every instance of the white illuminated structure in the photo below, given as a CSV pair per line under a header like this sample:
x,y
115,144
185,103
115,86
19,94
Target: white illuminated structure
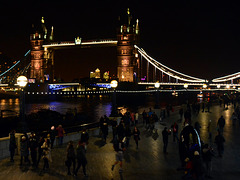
x,y
204,86
167,70
185,86
22,81
114,83
157,85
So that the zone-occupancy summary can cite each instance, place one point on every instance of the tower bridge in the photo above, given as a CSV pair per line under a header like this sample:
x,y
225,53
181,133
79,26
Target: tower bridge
x,y
134,64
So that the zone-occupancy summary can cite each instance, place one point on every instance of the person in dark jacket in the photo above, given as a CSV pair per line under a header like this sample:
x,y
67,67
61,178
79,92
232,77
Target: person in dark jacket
x,y
221,124
33,145
219,140
175,131
70,157
40,150
104,128
81,158
198,169
12,145
121,130
207,159
53,134
136,135
165,134
24,150
84,138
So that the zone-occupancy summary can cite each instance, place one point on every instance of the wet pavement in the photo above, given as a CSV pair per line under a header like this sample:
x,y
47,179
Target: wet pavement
x,y
147,162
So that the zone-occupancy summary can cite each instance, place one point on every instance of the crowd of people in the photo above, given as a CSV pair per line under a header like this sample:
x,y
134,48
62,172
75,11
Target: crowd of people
x,y
196,162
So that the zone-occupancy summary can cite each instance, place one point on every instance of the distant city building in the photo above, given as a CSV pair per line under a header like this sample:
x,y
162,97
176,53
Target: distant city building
x,y
92,75
106,75
97,73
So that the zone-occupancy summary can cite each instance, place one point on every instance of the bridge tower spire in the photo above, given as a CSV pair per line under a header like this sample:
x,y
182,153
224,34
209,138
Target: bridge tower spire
x,y
128,59
41,58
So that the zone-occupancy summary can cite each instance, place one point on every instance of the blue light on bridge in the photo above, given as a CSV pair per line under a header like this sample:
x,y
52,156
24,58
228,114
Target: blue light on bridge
x,y
55,87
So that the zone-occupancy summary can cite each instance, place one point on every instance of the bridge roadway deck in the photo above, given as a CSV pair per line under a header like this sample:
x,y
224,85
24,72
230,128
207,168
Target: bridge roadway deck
x,y
148,162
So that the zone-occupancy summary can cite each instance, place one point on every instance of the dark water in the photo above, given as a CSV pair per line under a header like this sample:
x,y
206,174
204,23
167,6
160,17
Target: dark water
x,y
91,108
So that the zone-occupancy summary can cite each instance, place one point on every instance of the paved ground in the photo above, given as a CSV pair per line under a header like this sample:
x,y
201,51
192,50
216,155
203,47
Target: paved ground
x,y
148,162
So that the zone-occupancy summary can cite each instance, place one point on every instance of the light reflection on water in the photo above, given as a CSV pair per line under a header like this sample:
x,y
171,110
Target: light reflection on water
x,y
91,107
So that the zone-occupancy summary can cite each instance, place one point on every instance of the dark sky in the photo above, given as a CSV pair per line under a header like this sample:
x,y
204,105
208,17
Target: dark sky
x,y
195,37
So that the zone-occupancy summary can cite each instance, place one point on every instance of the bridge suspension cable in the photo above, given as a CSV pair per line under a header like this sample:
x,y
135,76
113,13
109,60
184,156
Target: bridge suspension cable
x,y
167,70
227,78
15,64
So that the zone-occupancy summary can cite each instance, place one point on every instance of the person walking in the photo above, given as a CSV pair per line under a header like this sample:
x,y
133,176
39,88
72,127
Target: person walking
x,y
104,128
12,145
219,140
198,168
33,145
175,131
60,132
46,154
136,136
70,157
52,135
24,150
207,159
81,158
136,118
221,124
84,138
119,149
165,134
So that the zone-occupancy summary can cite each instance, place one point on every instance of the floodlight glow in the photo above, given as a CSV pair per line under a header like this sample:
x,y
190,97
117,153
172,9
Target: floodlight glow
x,y
22,81
114,83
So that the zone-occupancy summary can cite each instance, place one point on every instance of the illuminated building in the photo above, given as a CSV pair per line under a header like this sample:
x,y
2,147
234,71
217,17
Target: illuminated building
x,y
106,75
41,58
92,75
128,60
97,73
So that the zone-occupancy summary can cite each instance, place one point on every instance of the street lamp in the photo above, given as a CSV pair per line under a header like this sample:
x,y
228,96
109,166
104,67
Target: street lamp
x,y
157,85
204,86
22,82
185,86
114,85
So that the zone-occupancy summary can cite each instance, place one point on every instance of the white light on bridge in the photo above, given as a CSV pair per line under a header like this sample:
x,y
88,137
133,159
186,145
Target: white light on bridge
x,y
218,86
227,86
185,86
204,86
22,81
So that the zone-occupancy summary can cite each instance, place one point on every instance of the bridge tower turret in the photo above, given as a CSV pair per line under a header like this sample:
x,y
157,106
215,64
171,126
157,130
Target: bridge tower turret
x,y
41,58
128,61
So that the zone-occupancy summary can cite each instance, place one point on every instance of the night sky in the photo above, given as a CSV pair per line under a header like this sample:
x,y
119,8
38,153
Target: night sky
x,y
196,37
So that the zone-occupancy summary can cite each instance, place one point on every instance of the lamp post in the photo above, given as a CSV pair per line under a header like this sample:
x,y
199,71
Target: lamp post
x,y
114,85
157,85
22,82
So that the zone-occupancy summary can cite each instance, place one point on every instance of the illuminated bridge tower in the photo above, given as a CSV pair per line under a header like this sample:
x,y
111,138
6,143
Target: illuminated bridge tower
x,y
41,58
128,59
